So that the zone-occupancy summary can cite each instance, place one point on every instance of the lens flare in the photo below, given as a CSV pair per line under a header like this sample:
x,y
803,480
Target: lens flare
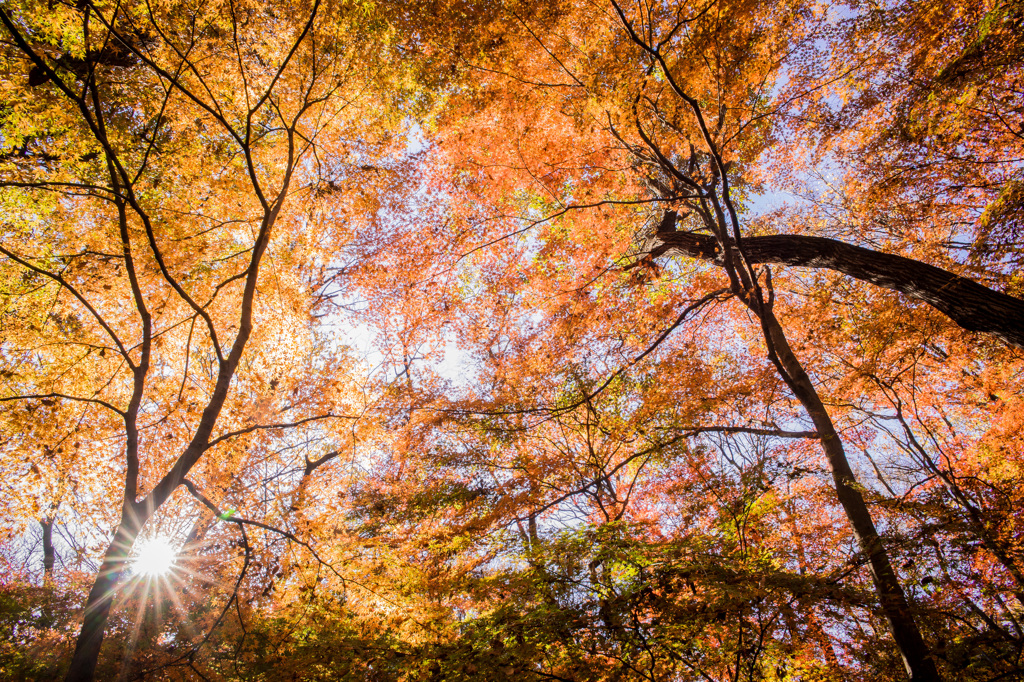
x,y
155,558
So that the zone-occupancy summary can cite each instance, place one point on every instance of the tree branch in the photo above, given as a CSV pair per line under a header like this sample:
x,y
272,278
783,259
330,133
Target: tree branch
x,y
972,306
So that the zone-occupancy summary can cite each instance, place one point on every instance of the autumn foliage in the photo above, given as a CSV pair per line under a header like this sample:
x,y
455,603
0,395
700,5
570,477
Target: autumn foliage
x,y
556,340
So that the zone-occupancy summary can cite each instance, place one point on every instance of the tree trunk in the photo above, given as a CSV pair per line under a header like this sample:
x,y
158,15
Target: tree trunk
x,y
894,603
49,555
97,605
974,307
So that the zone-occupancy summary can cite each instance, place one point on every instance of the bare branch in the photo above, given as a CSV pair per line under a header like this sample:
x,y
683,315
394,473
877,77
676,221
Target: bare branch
x,y
64,396
74,292
283,425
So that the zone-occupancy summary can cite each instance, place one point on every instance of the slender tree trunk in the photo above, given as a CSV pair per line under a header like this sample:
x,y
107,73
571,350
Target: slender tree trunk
x,y
972,306
49,556
894,603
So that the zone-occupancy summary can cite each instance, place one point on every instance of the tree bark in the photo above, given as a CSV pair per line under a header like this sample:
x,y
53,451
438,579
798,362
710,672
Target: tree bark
x,y
971,305
97,605
895,607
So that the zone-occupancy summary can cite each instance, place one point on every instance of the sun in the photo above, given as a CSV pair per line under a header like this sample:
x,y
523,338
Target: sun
x,y
155,558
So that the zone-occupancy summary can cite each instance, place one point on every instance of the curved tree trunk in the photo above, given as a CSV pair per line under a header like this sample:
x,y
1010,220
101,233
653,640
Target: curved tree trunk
x,y
971,305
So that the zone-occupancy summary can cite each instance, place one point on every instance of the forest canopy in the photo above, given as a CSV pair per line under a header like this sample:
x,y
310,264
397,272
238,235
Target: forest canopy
x,y
550,340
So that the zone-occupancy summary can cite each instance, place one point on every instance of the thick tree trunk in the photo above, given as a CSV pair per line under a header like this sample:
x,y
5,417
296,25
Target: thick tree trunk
x,y
894,603
971,305
97,605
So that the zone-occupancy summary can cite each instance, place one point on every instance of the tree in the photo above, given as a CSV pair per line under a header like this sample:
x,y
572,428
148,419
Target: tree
x,y
622,418
571,132
157,159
